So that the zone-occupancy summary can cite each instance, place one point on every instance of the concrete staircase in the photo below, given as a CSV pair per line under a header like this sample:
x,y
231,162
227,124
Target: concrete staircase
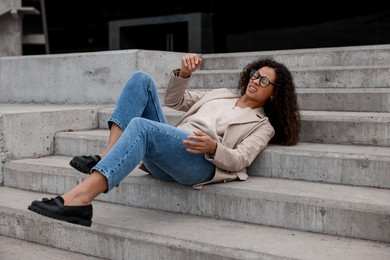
x,y
326,198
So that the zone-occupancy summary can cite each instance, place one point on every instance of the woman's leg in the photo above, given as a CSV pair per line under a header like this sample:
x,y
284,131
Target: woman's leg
x,y
115,133
150,141
158,145
85,192
139,98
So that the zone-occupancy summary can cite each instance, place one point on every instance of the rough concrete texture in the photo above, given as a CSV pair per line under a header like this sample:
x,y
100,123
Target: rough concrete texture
x,y
1,173
84,142
306,77
323,57
342,164
2,150
345,99
97,78
364,128
84,78
17,249
135,233
30,129
334,163
318,207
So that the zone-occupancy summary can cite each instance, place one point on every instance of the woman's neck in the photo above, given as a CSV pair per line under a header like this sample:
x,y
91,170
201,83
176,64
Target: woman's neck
x,y
244,101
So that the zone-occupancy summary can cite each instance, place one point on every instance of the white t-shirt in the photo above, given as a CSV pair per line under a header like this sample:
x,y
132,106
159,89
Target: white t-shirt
x,y
213,117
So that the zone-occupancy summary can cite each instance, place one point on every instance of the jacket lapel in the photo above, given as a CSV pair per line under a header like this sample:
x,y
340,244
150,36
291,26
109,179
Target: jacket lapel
x,y
249,116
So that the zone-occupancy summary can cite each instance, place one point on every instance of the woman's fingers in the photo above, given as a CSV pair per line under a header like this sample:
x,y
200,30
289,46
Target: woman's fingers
x,y
191,61
200,143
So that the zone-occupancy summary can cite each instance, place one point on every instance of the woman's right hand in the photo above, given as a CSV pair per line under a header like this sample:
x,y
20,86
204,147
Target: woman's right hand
x,y
189,63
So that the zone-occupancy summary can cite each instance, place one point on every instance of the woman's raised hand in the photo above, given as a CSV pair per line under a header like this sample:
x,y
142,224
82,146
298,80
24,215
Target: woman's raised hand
x,y
189,63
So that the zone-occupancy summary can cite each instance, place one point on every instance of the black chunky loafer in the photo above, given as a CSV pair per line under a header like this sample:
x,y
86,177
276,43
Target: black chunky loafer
x,y
84,163
54,208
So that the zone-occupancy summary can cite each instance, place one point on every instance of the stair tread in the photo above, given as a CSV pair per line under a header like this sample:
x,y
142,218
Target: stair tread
x,y
343,90
320,149
318,90
273,189
6,108
317,114
10,249
305,69
228,238
347,115
14,108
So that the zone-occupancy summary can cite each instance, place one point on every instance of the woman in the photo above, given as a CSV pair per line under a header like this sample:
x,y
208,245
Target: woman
x,y
219,136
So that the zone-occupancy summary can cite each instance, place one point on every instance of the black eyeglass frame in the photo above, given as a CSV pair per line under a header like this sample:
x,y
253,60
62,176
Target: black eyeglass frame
x,y
254,74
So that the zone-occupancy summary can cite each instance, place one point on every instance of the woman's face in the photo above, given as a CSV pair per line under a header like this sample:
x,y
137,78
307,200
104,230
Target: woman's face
x,y
261,85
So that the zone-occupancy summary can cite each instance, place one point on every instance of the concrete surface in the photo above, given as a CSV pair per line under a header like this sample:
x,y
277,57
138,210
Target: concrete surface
x,y
134,233
17,249
343,210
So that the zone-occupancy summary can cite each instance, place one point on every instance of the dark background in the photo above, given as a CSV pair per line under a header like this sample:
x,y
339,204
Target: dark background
x,y
237,26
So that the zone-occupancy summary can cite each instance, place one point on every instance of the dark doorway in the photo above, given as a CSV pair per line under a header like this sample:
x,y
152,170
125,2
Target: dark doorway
x,y
163,37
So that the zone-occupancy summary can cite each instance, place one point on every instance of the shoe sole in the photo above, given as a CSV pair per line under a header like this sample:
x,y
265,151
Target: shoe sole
x,y
73,220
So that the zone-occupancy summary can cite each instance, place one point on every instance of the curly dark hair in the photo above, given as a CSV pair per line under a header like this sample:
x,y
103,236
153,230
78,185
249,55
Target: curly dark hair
x,y
283,109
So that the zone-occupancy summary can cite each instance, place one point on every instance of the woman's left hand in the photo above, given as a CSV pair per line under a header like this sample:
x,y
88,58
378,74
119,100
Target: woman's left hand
x,y
200,142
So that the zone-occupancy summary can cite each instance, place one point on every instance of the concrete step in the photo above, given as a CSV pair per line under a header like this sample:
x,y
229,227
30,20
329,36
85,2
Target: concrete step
x,y
344,99
86,142
357,212
18,249
332,127
24,137
27,130
338,127
342,164
136,233
344,56
374,76
97,78
338,99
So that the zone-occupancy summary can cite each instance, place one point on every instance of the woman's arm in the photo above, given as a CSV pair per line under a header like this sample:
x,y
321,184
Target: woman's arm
x,y
176,96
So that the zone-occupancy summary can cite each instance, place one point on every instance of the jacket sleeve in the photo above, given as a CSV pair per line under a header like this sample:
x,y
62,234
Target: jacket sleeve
x,y
176,95
235,157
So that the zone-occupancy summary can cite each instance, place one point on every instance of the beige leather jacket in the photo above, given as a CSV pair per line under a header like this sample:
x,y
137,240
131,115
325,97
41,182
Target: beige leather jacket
x,y
243,140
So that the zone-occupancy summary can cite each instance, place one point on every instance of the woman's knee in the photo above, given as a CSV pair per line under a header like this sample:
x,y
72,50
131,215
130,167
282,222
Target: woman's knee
x,y
139,80
140,122
141,75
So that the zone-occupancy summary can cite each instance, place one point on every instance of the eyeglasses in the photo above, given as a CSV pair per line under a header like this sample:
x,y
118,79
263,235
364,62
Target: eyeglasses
x,y
264,81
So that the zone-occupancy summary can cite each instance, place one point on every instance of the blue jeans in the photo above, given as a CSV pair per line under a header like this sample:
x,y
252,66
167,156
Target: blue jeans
x,y
148,138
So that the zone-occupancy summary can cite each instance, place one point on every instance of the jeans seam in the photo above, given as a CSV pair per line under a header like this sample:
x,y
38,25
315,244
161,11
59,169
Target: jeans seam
x,y
130,149
114,120
156,108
